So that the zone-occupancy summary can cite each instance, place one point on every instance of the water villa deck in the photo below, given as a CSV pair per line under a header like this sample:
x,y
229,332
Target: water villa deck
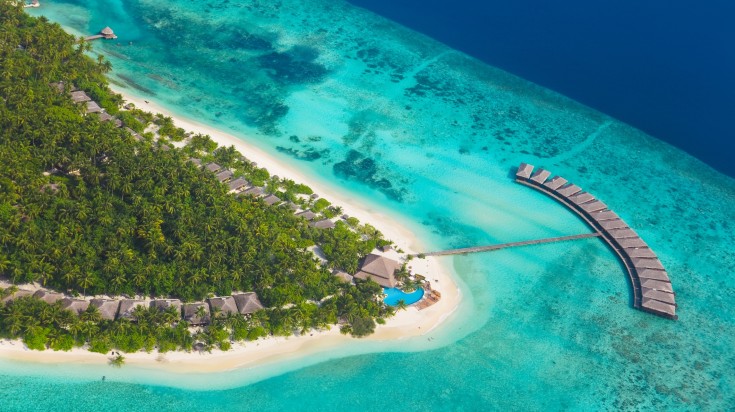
x,y
652,291
105,33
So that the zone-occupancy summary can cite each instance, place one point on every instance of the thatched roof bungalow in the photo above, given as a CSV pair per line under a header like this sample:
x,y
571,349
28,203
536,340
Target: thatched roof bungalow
x,y
307,214
247,302
80,96
107,307
270,200
213,167
238,184
254,191
224,175
323,224
21,293
224,304
541,176
380,269
163,304
524,171
556,183
127,307
76,306
343,276
93,107
48,297
191,310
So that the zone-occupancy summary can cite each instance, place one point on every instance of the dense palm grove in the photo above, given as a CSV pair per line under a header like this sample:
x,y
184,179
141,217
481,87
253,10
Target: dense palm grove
x,y
119,216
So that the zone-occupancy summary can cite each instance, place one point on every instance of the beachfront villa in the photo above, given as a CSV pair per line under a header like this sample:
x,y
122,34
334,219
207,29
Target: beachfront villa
x,y
76,306
247,303
194,315
380,269
106,307
225,305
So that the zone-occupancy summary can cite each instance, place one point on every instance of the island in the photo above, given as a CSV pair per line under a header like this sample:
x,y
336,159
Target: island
x,y
122,232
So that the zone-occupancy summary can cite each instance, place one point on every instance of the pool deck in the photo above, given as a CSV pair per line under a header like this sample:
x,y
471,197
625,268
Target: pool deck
x,y
652,290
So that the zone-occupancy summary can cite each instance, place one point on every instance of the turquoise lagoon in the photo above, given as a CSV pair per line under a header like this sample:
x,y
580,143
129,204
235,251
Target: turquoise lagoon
x,y
430,135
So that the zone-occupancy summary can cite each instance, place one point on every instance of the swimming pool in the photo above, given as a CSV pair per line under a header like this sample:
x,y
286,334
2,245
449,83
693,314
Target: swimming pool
x,y
393,295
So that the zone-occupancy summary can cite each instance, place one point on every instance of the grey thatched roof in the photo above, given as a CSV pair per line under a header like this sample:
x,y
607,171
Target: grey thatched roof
x,y
21,293
556,183
659,295
247,302
164,304
580,198
657,306
323,224
254,191
80,96
225,304
343,276
127,307
238,184
93,107
307,214
380,269
190,313
76,306
384,282
106,307
48,297
224,175
541,176
271,200
524,171
213,167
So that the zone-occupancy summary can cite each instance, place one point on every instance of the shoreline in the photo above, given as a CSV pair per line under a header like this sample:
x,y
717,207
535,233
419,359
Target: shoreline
x,y
409,323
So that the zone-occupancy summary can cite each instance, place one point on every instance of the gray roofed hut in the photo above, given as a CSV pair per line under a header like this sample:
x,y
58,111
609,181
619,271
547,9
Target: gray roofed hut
x,y
163,304
247,302
238,184
593,206
323,224
556,183
658,307
107,307
254,191
225,305
213,167
380,269
48,297
569,190
647,263
21,293
659,295
270,200
654,274
580,198
541,176
190,313
76,306
657,285
93,107
524,171
105,117
80,96
224,175
307,214
107,33
127,307
195,161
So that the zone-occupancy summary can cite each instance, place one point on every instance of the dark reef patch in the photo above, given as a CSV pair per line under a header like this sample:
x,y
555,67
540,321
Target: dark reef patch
x,y
295,66
365,170
308,155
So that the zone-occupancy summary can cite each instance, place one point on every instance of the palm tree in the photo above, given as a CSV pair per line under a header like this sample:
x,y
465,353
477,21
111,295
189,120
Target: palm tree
x,y
401,305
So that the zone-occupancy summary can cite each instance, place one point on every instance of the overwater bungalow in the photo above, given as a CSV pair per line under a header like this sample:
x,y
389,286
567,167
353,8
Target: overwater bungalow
x,y
247,303
270,200
224,304
48,297
380,269
323,224
127,308
76,306
106,307
213,167
307,214
224,175
191,313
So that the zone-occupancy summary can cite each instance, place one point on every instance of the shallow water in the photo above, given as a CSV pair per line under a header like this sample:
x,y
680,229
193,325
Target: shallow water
x,y
432,135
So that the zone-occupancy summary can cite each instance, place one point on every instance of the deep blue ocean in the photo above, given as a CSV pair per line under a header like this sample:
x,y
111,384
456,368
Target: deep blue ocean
x,y
665,67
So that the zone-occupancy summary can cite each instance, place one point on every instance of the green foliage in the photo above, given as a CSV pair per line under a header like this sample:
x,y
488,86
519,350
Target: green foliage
x,y
362,327
320,204
117,361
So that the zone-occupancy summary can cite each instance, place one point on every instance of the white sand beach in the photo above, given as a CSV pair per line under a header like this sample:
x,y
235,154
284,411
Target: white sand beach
x,y
405,324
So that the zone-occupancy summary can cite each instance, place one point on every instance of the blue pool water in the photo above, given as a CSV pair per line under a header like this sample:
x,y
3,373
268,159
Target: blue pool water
x,y
393,295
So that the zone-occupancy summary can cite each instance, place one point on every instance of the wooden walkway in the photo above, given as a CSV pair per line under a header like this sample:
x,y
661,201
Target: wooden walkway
x,y
490,248
652,290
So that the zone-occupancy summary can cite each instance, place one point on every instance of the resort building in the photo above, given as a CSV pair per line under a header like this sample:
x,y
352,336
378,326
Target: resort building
x,y
163,304
224,305
379,269
76,306
79,96
213,167
18,294
224,175
307,214
323,224
254,191
238,184
48,297
271,200
93,107
194,315
106,307
247,303
127,307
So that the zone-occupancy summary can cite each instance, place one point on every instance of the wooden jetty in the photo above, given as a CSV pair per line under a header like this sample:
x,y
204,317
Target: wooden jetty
x,y
652,291
489,248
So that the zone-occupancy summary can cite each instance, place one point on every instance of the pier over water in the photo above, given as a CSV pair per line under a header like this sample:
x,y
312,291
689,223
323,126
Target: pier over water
x,y
652,290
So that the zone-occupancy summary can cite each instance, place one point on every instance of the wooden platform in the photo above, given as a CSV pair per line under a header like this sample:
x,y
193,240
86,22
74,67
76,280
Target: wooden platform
x,y
652,291
489,248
